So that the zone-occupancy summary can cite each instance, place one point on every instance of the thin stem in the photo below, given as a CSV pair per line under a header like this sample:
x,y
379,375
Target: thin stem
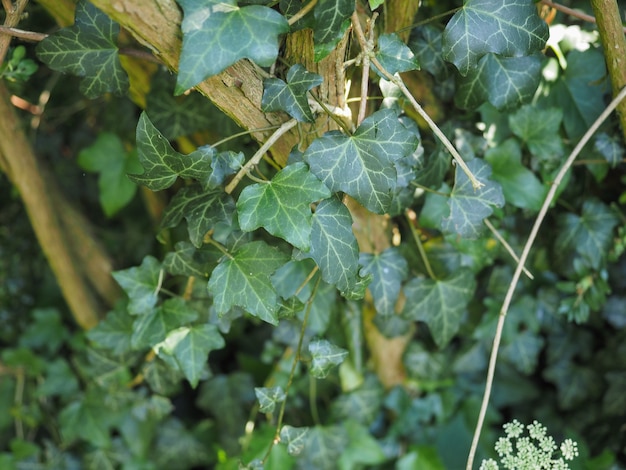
x,y
313,400
139,54
420,246
298,16
571,12
306,281
438,132
256,158
13,15
523,257
367,47
506,246
240,134
428,190
20,33
430,20
219,246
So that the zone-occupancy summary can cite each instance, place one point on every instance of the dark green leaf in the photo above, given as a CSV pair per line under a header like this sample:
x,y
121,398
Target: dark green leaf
x,y
59,380
295,438
190,346
88,420
537,128
323,447
217,33
291,97
269,397
362,404
523,351
503,81
283,205
362,165
223,165
88,50
510,28
611,149
614,402
425,42
332,18
243,279
440,303
520,185
289,278
469,206
362,448
575,384
187,260
141,284
388,270
394,55
151,329
176,447
46,331
113,332
325,356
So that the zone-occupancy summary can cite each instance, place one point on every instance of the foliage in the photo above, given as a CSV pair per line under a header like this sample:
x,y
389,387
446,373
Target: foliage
x,y
332,307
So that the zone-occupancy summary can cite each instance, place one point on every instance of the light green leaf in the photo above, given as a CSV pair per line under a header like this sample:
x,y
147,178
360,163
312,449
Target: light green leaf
x,y
610,148
510,28
440,303
187,260
520,185
291,97
332,18
334,247
151,329
162,164
325,356
217,33
503,81
375,4
88,50
388,270
394,55
362,449
203,210
190,346
294,438
469,206
113,332
283,205
141,284
537,128
268,397
243,280
362,165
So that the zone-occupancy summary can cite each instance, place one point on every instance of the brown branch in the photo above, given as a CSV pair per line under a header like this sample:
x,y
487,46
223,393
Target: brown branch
x,y
13,14
20,33
571,12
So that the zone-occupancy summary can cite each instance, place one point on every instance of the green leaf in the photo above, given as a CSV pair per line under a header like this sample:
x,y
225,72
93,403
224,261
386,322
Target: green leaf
x,y
323,447
88,420
469,206
611,149
162,164
426,44
108,157
268,397
575,384
148,330
113,332
537,128
523,352
60,380
190,346
141,284
283,205
440,303
520,185
187,260
334,247
388,270
88,50
46,331
203,210
223,165
295,438
325,356
332,18
243,280
614,401
362,165
217,33
363,404
503,81
394,55
510,28
590,234
291,97
362,448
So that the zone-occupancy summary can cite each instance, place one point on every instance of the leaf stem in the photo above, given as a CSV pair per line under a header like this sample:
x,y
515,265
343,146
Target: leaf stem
x,y
428,190
22,34
571,12
430,20
410,217
367,49
523,257
240,134
506,246
220,247
256,158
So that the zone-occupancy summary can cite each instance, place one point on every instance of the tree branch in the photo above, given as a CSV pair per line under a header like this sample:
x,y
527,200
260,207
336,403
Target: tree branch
x,y
13,14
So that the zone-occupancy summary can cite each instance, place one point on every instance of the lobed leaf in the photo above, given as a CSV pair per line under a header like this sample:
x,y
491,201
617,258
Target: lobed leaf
x,y
537,128
388,270
269,397
150,329
325,356
141,284
295,438
394,55
332,19
291,97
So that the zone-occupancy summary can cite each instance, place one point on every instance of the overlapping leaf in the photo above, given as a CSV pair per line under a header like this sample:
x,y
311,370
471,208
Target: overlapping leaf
x,y
610,149
113,332
282,206
503,81
88,50
426,44
217,33
332,18
291,97
150,329
394,55
362,165
440,303
324,357
243,280
388,270
203,210
141,284
509,28
537,128
469,206
187,260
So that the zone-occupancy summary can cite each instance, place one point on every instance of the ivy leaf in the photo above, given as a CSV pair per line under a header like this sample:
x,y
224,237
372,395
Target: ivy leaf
x,y
503,81
609,148
150,329
113,332
223,165
217,33
362,448
523,351
388,270
469,206
268,397
162,164
203,210
520,185
440,303
243,280
537,128
332,18
283,206
510,28
334,248
187,260
323,447
325,356
394,55
426,44
190,346
362,165
88,50
86,419
294,438
589,234
141,284
291,96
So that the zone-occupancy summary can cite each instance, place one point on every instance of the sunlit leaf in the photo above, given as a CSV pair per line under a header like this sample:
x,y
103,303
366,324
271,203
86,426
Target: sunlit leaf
x,y
325,356
394,55
269,397
291,97
187,260
295,438
332,18
141,284
150,329
388,270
